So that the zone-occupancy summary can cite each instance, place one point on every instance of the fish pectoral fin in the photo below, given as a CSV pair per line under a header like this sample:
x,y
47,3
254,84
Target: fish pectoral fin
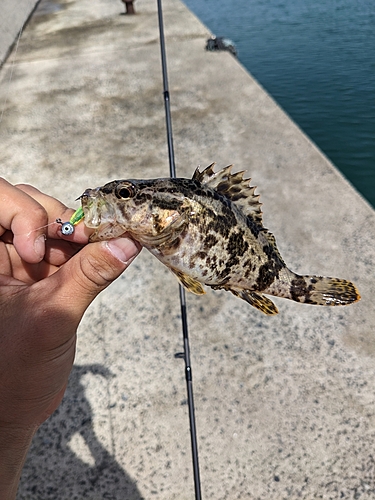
x,y
191,284
257,300
107,232
166,228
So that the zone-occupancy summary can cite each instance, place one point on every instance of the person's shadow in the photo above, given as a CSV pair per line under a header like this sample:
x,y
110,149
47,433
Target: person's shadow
x,y
53,471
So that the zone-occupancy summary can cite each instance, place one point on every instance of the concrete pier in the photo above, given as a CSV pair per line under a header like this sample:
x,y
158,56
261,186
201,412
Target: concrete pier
x,y
285,405
13,16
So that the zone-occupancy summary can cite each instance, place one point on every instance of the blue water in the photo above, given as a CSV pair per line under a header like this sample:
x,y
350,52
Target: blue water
x,y
317,59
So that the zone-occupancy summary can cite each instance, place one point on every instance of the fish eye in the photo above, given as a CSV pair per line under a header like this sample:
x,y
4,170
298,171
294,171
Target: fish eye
x,y
124,192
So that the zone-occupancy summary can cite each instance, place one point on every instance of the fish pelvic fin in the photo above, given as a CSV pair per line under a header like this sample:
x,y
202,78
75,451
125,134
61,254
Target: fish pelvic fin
x,y
191,284
323,291
257,300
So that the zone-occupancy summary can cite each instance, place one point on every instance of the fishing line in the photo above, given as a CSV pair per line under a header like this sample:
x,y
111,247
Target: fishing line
x,y
11,71
186,354
37,228
67,228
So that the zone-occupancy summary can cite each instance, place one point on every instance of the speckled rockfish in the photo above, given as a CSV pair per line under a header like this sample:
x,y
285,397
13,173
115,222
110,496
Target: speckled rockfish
x,y
208,230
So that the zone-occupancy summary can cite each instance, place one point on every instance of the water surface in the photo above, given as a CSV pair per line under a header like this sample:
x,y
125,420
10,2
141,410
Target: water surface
x,y
317,59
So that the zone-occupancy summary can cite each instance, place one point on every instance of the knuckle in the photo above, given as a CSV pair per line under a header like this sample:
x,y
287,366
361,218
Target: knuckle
x,y
97,274
39,214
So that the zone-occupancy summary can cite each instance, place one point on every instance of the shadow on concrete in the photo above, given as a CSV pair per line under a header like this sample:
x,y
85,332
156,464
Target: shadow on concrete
x,y
54,471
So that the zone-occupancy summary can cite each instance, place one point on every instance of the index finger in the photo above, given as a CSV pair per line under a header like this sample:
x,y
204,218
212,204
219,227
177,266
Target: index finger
x,y
26,219
57,210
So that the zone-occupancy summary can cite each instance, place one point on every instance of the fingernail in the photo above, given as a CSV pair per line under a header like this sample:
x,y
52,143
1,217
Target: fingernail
x,y
40,246
124,249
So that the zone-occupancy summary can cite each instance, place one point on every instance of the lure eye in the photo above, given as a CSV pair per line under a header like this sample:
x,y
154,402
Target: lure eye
x,y
67,228
125,192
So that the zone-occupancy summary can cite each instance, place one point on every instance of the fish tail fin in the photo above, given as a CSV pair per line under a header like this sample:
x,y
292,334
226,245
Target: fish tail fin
x,y
323,291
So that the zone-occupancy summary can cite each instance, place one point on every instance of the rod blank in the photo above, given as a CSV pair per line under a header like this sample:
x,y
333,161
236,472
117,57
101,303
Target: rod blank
x,y
186,353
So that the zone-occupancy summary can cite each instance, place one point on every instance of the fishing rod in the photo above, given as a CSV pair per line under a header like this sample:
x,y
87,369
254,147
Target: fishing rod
x,y
186,354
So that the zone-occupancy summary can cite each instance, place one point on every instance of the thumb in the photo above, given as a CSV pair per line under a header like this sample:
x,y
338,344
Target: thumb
x,y
92,269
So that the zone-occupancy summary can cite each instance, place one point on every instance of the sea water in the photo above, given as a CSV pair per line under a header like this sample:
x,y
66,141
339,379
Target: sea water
x,y
317,60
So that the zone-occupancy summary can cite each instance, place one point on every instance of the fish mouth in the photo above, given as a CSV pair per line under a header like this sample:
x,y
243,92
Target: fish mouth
x,y
95,208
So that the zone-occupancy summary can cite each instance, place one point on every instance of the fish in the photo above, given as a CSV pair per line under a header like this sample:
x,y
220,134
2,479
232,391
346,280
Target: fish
x,y
208,231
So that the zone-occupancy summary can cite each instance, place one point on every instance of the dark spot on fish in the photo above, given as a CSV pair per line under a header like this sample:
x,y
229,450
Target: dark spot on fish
x,y
267,249
237,243
193,259
174,244
107,189
123,207
249,268
189,188
211,261
142,197
269,272
247,263
218,225
300,289
273,254
158,223
166,189
266,276
253,226
167,204
216,195
210,240
198,191
232,262
224,273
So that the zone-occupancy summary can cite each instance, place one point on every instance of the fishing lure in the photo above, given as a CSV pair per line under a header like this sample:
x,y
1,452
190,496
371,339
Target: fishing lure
x,y
67,228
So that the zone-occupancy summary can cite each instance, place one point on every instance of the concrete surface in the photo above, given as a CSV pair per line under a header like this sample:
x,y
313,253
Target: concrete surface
x,y
285,405
13,16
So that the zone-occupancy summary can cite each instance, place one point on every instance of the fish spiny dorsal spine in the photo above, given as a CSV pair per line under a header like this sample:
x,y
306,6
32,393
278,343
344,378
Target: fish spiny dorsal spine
x,y
234,187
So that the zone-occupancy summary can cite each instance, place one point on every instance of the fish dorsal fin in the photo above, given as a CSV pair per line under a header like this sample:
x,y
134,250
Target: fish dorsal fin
x,y
234,187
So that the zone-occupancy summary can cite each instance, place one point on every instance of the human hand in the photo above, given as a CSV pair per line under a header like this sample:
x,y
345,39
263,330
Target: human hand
x,y
46,283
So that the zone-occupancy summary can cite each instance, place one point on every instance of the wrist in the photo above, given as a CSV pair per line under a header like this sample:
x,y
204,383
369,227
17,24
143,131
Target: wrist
x,y
14,445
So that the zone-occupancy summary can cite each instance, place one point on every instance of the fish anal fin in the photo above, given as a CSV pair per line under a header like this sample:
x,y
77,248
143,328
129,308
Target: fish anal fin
x,y
234,187
257,300
191,284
